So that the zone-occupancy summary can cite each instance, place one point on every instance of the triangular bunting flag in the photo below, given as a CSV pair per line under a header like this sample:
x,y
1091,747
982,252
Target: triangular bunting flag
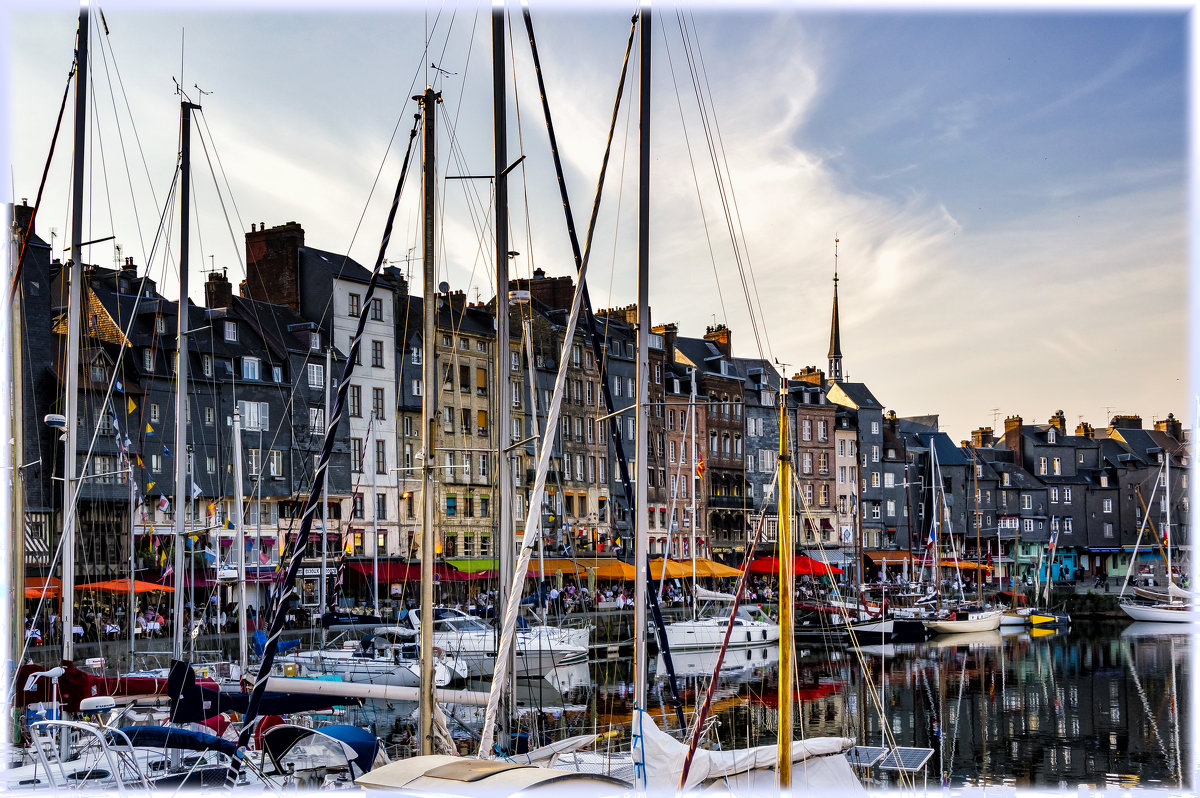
x,y
149,429
129,403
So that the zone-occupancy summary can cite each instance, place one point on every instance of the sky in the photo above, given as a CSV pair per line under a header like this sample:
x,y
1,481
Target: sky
x,y
1009,189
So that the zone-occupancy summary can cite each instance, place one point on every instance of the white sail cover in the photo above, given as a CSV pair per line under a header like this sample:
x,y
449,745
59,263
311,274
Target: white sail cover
x,y
663,755
704,594
1179,592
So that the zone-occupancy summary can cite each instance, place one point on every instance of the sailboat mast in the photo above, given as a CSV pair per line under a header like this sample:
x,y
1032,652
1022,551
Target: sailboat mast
x,y
371,447
692,463
324,500
428,102
74,318
505,532
240,537
181,366
787,593
1167,531
641,525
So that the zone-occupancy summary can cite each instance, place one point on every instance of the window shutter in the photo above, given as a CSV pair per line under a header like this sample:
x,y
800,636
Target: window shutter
x,y
482,419
264,415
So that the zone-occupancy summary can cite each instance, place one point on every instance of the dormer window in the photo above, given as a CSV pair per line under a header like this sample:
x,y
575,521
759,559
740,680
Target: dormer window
x,y
160,325
1052,436
251,368
1104,480
231,331
1007,481
98,372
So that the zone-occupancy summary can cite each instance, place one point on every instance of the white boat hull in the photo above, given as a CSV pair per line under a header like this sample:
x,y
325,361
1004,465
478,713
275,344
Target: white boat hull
x,y
984,621
1160,613
710,633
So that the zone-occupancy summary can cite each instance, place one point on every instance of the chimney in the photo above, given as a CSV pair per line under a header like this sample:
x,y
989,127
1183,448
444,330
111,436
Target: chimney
x,y
669,332
457,300
1126,422
1171,426
891,422
273,264
401,284
983,438
810,374
1085,430
556,293
1012,438
218,292
23,216
1059,422
720,335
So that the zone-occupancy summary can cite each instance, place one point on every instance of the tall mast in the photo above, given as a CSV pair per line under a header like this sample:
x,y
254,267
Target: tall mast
x,y
74,318
692,464
325,495
181,367
787,593
428,102
374,449
1167,531
240,537
505,533
641,541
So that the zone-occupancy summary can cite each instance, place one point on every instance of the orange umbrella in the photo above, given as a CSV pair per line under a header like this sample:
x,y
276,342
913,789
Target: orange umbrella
x,y
49,591
706,567
122,586
675,570
616,570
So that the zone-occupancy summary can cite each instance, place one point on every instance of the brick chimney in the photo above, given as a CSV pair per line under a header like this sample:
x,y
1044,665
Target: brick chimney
x,y
983,438
1059,422
1171,426
397,278
1085,430
556,293
1126,422
218,292
456,300
1012,438
273,264
721,336
810,374
669,332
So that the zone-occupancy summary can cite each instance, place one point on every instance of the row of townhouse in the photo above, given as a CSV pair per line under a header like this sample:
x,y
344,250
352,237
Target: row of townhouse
x,y
865,478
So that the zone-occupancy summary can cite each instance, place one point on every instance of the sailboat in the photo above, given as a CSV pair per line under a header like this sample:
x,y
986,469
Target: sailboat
x,y
1179,606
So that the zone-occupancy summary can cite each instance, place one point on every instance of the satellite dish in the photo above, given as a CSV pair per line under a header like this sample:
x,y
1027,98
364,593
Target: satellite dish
x,y
444,287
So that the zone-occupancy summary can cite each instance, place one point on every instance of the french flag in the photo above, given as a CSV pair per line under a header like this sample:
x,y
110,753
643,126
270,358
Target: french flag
x,y
932,536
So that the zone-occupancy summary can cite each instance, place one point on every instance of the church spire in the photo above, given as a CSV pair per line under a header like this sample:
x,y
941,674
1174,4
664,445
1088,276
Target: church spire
x,y
835,334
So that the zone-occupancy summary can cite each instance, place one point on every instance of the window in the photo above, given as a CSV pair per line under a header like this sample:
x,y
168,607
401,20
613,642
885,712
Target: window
x,y
1057,464
148,359
1108,530
874,479
516,395
209,417
889,480
1042,466
875,511
483,464
377,354
1028,525
381,457
357,506
1006,481
377,406
891,508
354,307
1067,493
355,401
806,429
206,365
1068,525
316,375
514,361
874,427
1108,505
451,506
156,462
807,461
822,431
254,461
1054,495
316,420
275,463
1026,501
251,368
356,455
874,454
381,513
210,463
377,309
231,334
824,493
417,388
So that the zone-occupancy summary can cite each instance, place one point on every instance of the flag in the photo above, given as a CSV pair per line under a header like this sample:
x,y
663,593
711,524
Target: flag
x,y
229,523
119,387
196,491
263,557
137,458
167,452
152,484
164,505
932,536
209,557
700,466
170,570
149,429
348,548
129,403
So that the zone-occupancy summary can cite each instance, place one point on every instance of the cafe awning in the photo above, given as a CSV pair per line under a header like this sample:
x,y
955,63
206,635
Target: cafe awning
x,y
889,557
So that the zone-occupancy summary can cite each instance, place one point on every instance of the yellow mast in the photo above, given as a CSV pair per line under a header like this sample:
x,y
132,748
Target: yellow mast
x,y
787,593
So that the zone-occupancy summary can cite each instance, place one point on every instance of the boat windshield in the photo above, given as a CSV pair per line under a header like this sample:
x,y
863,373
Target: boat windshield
x,y
460,624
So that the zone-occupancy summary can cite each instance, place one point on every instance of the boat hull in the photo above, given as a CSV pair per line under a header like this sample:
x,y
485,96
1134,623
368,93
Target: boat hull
x,y
973,622
1161,613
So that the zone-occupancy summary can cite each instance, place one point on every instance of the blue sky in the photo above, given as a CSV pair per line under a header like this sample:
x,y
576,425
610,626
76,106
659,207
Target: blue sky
x,y
1009,188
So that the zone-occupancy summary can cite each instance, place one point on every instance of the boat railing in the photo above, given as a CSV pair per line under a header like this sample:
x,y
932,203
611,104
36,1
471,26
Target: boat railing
x,y
108,753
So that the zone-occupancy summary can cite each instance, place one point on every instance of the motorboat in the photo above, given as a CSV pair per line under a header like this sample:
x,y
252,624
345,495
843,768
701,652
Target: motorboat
x,y
751,627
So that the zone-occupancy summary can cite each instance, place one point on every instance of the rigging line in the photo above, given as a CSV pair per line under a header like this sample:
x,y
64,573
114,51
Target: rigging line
x,y
729,177
287,588
37,202
695,181
220,196
121,142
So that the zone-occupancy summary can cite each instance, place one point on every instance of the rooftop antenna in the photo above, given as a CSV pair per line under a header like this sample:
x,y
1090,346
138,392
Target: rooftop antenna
x,y
995,416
